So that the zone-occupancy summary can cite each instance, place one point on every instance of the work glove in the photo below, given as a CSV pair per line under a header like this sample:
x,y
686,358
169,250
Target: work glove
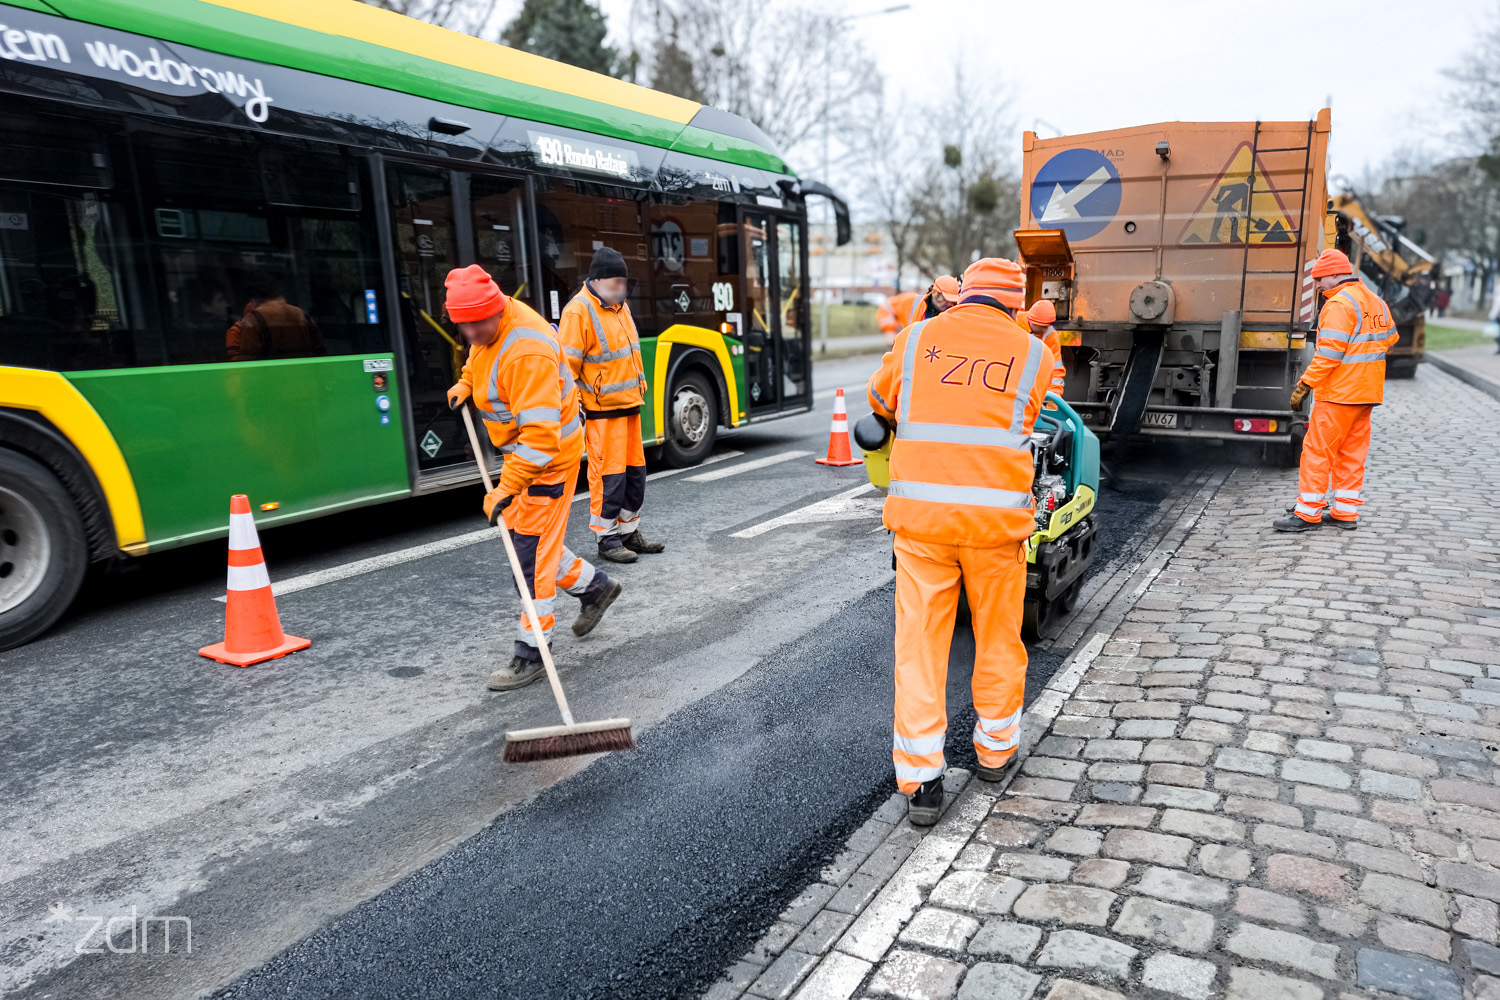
x,y
495,503
459,395
1299,394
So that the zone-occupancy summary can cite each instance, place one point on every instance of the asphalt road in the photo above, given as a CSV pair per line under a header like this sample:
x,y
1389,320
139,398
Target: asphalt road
x,y
338,823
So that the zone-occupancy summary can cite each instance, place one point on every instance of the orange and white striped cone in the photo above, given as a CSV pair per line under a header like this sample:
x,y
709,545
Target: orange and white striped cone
x,y
252,629
838,436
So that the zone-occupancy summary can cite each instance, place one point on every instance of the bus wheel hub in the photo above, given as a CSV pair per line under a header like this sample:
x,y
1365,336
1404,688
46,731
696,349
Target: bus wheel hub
x,y
689,416
24,549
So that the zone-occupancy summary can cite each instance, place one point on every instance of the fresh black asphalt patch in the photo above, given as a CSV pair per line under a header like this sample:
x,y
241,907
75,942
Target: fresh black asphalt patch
x,y
648,873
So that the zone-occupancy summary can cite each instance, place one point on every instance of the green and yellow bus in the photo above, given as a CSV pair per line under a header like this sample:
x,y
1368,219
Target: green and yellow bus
x,y
168,165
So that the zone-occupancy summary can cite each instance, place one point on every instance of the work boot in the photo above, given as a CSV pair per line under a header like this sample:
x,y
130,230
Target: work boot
x,y
995,773
590,611
926,804
1294,523
612,547
1348,525
518,674
636,542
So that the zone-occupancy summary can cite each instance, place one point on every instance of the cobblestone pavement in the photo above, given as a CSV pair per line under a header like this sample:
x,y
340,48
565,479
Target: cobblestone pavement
x,y
1275,780
1478,365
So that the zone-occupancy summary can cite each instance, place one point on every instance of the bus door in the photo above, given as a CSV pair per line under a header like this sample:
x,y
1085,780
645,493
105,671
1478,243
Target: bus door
x,y
775,314
425,245
442,219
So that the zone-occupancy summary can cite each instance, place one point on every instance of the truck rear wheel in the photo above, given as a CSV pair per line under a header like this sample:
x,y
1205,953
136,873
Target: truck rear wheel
x,y
43,551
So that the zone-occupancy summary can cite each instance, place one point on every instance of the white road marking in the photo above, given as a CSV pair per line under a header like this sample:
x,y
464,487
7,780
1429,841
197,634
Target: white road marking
x,y
846,506
759,463
721,456
710,460
361,566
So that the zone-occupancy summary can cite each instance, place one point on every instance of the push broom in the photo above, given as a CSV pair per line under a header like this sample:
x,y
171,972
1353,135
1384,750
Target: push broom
x,y
572,738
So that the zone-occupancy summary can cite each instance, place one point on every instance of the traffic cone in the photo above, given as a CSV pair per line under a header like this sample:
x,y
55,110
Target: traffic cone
x,y
252,629
838,436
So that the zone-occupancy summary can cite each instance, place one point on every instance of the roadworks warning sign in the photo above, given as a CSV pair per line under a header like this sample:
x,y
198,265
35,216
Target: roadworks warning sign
x,y
1239,208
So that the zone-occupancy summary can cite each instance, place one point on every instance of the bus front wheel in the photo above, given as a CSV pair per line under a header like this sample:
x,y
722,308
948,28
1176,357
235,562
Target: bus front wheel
x,y
43,551
692,419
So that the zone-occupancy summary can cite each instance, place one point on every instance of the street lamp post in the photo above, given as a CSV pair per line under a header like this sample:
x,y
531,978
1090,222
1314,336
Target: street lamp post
x,y
827,102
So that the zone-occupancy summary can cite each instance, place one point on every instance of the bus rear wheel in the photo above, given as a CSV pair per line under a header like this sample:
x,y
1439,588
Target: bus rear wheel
x,y
692,419
43,551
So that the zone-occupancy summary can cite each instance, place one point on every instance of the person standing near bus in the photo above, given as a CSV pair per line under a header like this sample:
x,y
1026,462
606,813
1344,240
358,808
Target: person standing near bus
x,y
530,407
600,343
962,391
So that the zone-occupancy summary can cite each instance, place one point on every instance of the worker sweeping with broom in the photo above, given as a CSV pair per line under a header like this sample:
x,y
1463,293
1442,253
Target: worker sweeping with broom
x,y
516,379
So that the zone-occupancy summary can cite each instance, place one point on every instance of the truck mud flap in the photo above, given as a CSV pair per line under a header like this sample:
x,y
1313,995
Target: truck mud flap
x,y
1135,388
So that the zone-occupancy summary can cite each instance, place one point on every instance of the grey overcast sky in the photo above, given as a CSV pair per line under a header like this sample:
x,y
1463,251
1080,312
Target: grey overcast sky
x,y
1089,65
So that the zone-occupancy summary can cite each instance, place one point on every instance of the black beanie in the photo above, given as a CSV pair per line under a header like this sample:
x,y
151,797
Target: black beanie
x,y
607,263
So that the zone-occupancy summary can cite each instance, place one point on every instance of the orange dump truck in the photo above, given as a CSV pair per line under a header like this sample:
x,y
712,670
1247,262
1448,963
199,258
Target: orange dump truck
x,y
1177,256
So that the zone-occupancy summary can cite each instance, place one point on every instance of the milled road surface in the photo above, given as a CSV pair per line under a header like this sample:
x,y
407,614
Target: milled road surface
x,y
270,805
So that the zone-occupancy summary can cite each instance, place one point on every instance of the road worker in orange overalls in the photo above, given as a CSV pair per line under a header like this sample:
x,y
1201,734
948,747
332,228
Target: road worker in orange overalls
x,y
520,386
1041,316
962,391
600,344
942,294
1347,379
893,313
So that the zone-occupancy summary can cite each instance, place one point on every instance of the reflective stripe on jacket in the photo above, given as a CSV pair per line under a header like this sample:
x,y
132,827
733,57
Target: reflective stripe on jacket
x,y
604,352
525,394
1354,331
963,389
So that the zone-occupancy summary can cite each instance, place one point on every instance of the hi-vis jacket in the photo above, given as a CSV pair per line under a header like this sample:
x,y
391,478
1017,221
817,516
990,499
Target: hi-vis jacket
x,y
895,312
525,393
1354,332
604,353
964,389
1049,336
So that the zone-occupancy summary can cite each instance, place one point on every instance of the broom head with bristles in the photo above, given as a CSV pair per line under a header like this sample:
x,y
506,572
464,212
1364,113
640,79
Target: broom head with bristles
x,y
552,742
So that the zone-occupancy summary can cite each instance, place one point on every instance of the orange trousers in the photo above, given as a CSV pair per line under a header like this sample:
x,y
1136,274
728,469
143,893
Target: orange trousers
x,y
617,474
928,578
1333,454
538,522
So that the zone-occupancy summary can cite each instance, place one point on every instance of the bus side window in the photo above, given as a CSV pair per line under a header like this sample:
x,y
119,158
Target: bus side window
x,y
264,246
687,262
66,254
573,219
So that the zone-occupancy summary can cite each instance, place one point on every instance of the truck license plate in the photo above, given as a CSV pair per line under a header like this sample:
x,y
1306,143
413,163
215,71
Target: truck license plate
x,y
1159,420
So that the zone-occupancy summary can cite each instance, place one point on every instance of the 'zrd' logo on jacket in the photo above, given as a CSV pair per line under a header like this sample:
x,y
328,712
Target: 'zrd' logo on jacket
x,y
967,370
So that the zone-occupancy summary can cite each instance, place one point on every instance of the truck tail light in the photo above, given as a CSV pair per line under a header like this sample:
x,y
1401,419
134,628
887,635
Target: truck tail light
x,y
1255,426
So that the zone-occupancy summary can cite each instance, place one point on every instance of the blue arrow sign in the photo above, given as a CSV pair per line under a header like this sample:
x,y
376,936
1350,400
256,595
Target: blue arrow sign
x,y
1077,191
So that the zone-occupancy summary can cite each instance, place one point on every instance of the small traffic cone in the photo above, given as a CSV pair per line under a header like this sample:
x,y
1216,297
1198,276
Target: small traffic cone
x,y
252,629
838,436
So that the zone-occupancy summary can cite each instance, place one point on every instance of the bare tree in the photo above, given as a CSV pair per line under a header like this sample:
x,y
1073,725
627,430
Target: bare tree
x,y
785,66
1454,205
968,199
1477,95
942,179
887,176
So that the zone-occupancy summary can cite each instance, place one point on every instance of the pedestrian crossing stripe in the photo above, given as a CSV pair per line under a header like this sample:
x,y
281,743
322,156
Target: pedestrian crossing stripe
x,y
1224,217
